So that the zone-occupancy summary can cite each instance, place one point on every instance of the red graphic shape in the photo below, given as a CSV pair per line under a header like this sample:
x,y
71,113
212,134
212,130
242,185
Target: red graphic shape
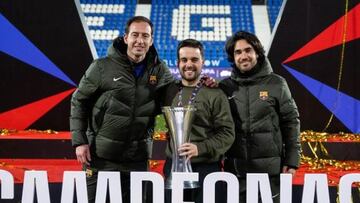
x,y
332,36
22,117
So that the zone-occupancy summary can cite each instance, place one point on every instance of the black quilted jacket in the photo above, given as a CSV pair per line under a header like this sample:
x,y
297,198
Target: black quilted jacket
x,y
112,110
267,125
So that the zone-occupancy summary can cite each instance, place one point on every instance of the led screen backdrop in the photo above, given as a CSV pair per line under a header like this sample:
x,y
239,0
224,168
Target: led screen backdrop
x,y
43,54
316,48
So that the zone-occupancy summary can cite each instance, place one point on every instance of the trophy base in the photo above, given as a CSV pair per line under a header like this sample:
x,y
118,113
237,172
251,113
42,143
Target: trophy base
x,y
187,184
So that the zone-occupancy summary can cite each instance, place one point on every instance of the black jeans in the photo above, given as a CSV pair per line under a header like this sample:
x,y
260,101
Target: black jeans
x,y
196,195
98,164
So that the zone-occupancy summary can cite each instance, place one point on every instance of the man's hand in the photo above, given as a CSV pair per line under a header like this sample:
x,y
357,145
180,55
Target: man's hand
x,y
209,81
83,154
287,169
189,150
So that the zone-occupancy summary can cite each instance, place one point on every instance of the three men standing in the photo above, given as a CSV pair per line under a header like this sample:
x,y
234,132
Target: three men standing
x,y
113,111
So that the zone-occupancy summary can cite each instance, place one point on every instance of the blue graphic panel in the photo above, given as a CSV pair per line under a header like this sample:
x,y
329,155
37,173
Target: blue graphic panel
x,y
15,44
113,21
201,20
344,107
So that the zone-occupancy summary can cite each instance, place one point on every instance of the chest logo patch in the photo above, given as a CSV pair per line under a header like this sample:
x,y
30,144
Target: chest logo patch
x,y
116,79
263,95
153,80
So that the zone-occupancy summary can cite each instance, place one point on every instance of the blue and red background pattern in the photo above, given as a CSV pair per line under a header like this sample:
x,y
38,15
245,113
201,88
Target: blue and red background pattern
x,y
316,48
43,54
44,51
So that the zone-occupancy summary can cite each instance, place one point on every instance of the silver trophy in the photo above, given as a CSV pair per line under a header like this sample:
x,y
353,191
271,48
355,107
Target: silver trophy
x,y
179,121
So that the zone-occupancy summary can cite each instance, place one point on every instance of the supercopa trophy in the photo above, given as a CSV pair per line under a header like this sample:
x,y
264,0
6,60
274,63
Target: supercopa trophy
x,y
179,121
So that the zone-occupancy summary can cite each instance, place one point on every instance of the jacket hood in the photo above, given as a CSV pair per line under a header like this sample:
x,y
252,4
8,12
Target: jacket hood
x,y
117,51
260,70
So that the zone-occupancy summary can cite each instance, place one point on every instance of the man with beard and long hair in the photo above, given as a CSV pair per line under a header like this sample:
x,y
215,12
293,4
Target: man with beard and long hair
x,y
212,130
267,126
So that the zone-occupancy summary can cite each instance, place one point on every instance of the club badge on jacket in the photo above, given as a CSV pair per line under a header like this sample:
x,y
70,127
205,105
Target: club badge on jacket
x,y
264,95
153,80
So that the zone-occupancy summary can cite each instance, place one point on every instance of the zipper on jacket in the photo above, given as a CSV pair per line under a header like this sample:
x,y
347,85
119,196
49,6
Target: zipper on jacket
x,y
134,105
247,132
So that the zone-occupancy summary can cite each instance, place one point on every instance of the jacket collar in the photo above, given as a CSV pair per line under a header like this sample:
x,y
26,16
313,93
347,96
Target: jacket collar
x,y
261,70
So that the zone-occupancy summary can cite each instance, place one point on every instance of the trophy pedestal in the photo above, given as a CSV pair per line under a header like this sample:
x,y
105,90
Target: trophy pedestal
x,y
187,184
181,166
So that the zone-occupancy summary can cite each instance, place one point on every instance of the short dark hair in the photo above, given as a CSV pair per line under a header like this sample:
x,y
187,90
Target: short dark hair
x,y
250,38
190,43
138,19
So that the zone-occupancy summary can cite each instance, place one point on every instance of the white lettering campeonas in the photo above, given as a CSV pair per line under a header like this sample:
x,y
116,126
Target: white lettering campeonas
x,y
7,185
75,181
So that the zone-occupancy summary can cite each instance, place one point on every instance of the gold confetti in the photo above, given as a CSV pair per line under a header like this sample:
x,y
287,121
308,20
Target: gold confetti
x,y
312,136
5,132
153,164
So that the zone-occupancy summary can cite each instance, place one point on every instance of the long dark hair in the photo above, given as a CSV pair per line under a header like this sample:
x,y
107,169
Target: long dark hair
x,y
250,38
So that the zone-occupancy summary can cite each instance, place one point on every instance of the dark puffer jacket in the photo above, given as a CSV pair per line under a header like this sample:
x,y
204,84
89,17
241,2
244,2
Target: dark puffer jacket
x,y
114,111
266,120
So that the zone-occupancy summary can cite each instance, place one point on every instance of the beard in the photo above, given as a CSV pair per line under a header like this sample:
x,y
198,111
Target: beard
x,y
190,75
245,65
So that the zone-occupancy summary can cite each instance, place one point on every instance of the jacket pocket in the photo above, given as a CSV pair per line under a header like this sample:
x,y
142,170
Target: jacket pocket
x,y
262,145
98,113
108,148
115,127
98,119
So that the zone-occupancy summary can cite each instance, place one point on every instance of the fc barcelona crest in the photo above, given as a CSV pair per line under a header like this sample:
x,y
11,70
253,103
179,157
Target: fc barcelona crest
x,y
153,80
264,95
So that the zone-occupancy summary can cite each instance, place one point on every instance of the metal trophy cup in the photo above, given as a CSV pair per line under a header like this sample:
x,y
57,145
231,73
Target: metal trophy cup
x,y
179,121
